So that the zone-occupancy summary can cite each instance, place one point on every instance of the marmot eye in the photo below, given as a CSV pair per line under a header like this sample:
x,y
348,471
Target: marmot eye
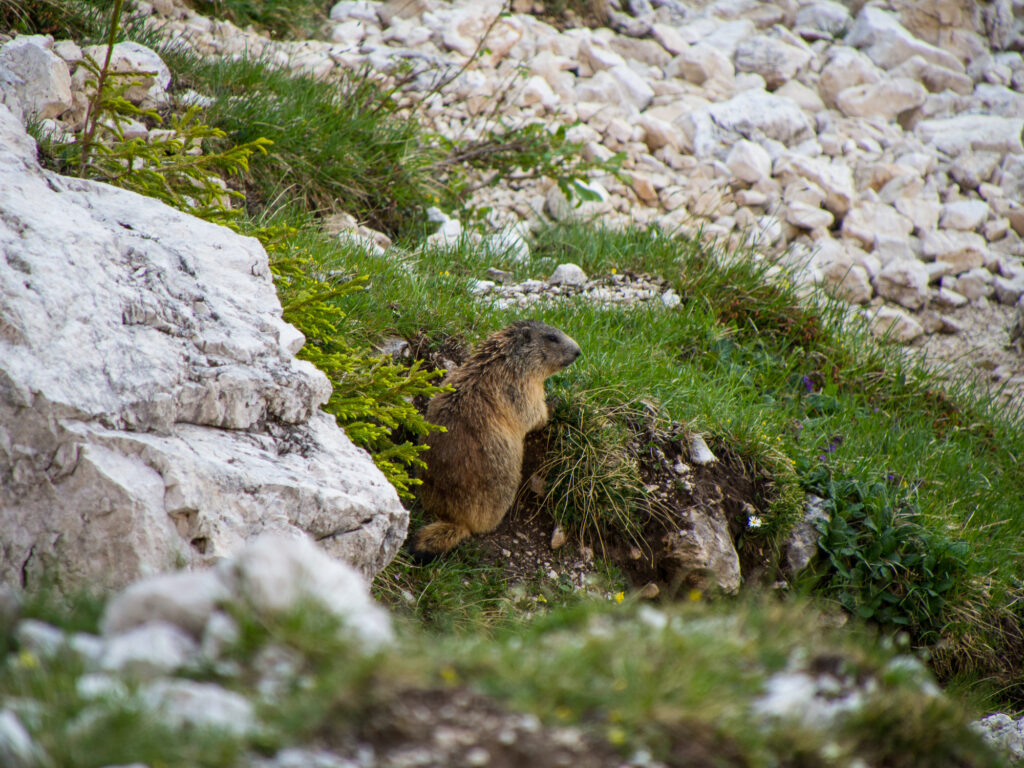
x,y
550,337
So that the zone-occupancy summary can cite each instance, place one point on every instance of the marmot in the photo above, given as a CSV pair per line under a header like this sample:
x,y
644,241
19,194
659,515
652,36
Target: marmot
x,y
473,469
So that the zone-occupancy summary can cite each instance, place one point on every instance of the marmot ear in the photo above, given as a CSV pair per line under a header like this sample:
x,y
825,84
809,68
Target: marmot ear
x,y
527,335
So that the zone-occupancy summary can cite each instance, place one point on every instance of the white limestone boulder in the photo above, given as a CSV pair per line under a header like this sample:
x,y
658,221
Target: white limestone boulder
x,y
886,99
905,282
773,59
152,415
36,76
888,43
143,65
845,68
749,162
754,115
895,324
963,251
978,133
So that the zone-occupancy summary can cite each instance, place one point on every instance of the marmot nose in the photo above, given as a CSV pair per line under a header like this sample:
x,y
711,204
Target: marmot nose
x,y
576,352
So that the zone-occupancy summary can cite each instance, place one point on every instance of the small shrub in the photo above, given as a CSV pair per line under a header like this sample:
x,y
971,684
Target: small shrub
x,y
517,154
882,564
372,397
593,480
165,166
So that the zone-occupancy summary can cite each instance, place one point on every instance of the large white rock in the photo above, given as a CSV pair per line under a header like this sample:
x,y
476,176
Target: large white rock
x,y
754,115
905,282
805,216
834,178
867,222
964,214
963,251
845,68
151,413
886,99
822,20
182,704
896,324
149,650
38,77
749,162
935,78
142,63
888,43
702,64
185,599
774,60
634,88
980,133
275,574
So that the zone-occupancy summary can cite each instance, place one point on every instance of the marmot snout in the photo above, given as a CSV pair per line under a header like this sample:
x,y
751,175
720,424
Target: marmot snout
x,y
473,469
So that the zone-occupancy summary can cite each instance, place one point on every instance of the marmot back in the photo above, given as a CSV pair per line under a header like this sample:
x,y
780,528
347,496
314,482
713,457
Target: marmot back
x,y
473,469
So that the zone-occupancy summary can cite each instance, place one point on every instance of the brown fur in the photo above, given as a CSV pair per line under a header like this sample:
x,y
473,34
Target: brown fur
x,y
473,468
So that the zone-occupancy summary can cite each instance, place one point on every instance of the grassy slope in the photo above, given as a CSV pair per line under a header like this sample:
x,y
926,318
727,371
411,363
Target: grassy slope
x,y
742,359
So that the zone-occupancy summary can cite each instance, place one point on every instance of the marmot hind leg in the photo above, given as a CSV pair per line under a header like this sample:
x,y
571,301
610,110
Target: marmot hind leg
x,y
437,538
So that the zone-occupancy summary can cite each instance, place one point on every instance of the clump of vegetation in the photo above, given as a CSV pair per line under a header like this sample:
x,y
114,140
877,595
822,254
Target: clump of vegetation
x,y
373,396
62,18
293,19
881,563
592,477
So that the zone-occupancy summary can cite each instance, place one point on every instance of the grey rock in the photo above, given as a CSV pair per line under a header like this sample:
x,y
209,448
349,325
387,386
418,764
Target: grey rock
x,y
822,20
980,133
754,114
963,251
17,750
964,214
181,703
701,553
888,43
1003,732
276,573
905,282
1008,290
568,274
38,77
699,452
185,599
802,543
152,75
776,61
895,323
147,380
148,651
42,639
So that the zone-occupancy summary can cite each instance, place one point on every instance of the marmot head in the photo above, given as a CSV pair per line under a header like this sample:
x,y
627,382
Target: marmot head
x,y
536,347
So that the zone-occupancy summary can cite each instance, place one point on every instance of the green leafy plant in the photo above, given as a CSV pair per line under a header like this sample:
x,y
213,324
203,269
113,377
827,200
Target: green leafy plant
x,y
517,154
176,166
882,564
373,396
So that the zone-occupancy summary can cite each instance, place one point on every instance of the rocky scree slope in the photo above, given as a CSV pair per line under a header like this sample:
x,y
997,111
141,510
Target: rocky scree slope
x,y
876,146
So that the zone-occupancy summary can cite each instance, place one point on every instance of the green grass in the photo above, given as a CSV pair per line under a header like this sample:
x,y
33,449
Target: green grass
x,y
682,682
293,19
909,465
784,383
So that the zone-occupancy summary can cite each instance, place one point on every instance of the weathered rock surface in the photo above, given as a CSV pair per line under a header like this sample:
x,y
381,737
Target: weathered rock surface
x,y
152,414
